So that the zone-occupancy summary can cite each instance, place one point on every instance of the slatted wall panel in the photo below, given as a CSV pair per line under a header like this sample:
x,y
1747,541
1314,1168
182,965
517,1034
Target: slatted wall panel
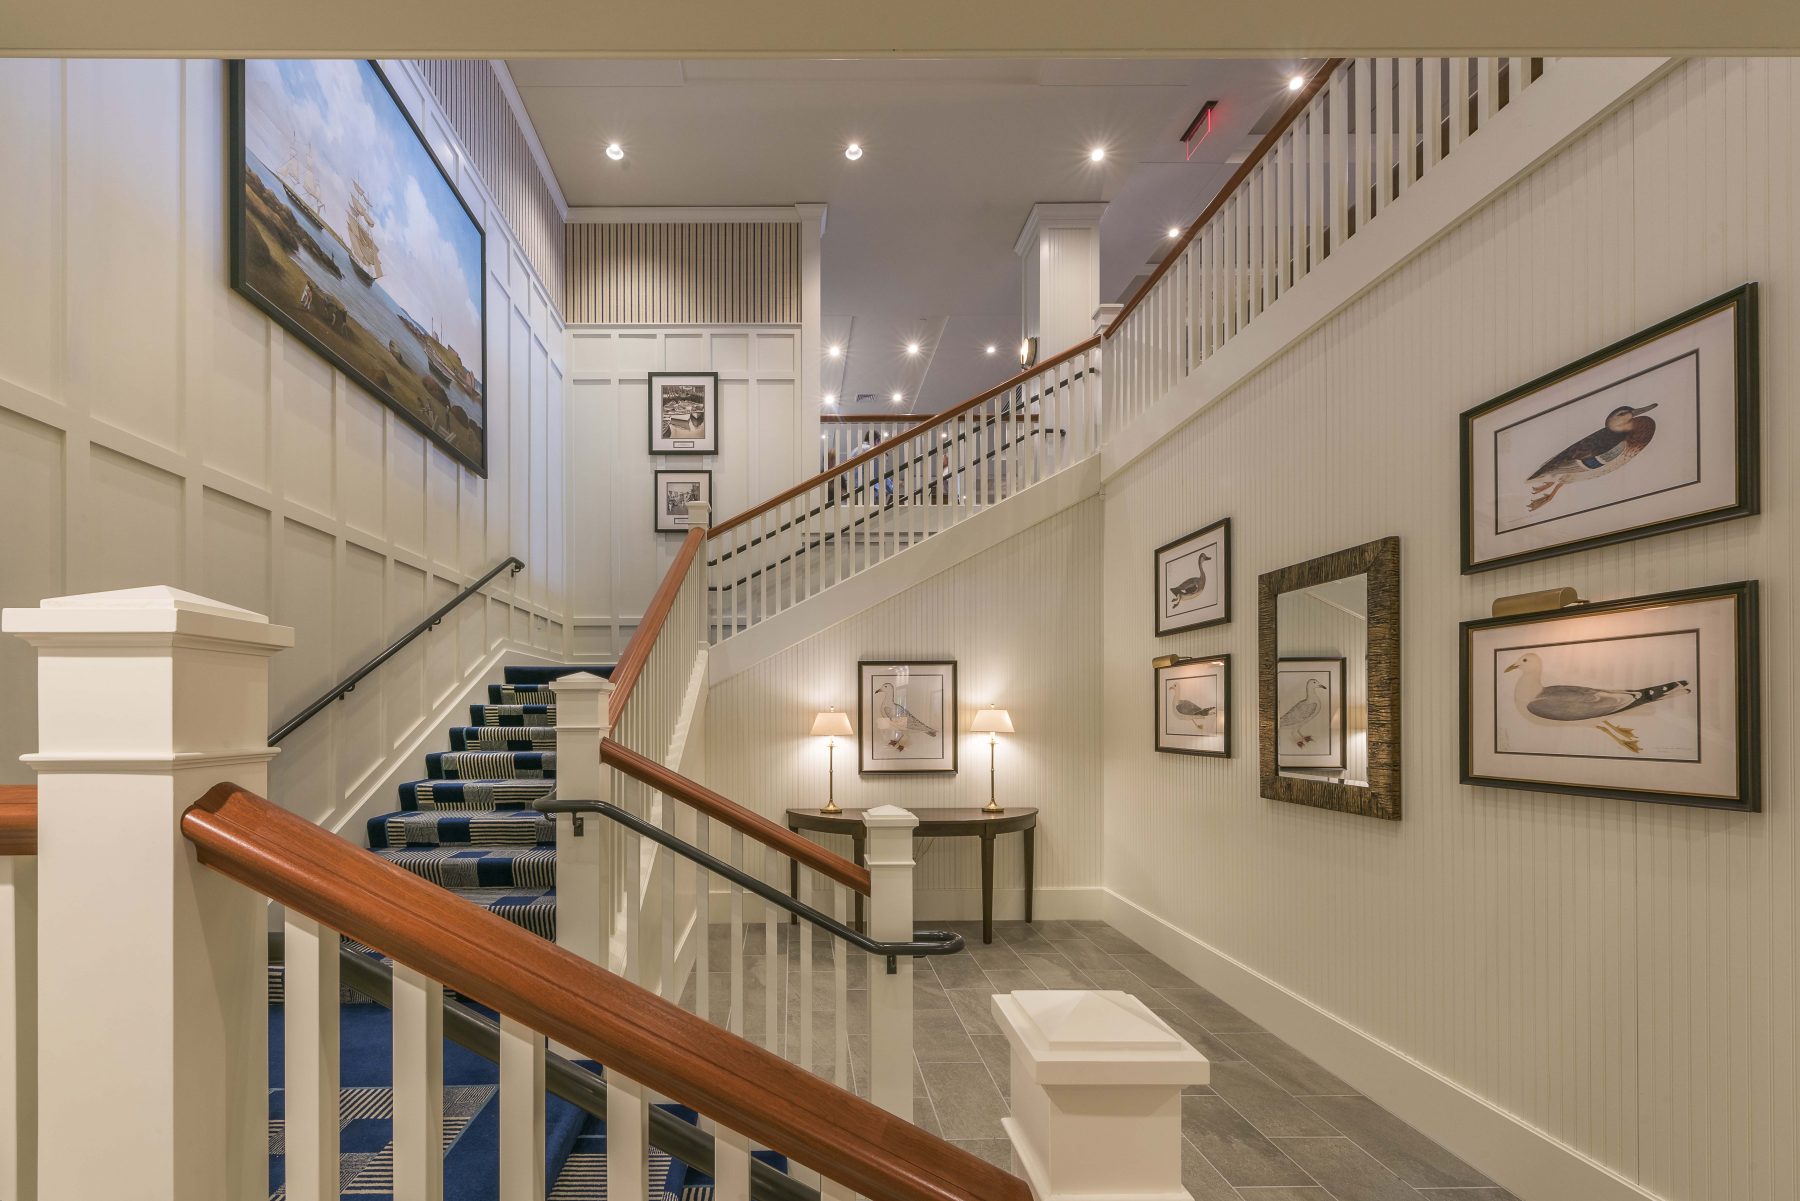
x,y
687,273
477,108
1621,976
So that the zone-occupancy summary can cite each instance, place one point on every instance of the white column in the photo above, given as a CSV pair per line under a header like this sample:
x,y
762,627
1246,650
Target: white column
x,y
1060,249
154,976
1096,1095
812,350
889,855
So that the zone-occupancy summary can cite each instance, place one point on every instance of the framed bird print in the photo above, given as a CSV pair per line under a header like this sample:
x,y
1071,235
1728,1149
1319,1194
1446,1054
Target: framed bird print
x,y
907,712
1309,707
1193,580
674,492
1193,703
1652,698
1653,433
684,413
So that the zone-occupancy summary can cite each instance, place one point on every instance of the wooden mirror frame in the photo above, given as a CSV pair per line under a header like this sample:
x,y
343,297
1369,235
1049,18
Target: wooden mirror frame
x,y
1380,561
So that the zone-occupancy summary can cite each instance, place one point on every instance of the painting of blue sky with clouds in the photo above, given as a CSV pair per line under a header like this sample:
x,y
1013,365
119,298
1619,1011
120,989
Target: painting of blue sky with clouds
x,y
346,231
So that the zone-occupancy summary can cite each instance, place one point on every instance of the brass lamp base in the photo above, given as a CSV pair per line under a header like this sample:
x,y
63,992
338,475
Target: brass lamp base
x,y
830,807
991,807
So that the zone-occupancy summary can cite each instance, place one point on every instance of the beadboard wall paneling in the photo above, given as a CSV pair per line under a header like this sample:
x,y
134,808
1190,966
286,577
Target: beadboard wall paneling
x,y
155,428
469,94
684,273
1620,976
1020,622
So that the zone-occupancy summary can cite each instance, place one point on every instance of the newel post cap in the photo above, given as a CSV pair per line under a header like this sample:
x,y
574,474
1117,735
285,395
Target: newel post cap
x,y
889,817
1090,1037
154,610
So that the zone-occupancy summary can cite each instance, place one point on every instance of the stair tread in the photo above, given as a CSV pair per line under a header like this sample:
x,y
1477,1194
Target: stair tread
x,y
544,675
503,738
449,827
484,766
460,868
534,713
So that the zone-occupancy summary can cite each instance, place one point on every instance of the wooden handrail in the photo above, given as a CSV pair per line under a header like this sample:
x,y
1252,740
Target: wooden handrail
x,y
643,639
18,819
1263,147
636,1033
898,419
874,452
723,809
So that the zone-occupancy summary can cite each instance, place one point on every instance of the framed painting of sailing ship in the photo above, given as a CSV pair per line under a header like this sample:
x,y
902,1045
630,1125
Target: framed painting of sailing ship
x,y
1651,698
1193,580
906,713
346,231
1655,433
1193,707
684,413
675,491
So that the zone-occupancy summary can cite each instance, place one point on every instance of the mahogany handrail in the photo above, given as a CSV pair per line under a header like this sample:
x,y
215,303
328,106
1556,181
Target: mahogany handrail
x,y
643,639
18,819
873,452
733,815
1261,151
554,992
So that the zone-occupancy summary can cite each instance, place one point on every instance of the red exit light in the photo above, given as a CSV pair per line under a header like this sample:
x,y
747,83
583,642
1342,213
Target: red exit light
x,y
1197,129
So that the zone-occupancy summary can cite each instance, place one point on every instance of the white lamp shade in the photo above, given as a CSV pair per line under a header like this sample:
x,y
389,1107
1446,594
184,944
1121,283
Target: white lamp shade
x,y
992,721
833,723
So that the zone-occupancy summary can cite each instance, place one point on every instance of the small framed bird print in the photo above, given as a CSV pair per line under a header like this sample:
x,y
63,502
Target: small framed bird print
x,y
1193,580
1193,707
1309,714
1652,698
907,712
1655,433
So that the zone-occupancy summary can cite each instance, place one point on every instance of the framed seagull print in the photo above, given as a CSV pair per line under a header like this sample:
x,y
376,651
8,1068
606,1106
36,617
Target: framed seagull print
x,y
1652,698
907,716
1193,580
1309,708
1655,433
1193,707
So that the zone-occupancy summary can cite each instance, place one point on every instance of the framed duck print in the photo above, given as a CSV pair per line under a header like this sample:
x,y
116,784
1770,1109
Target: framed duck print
x,y
1309,714
1652,698
674,492
1193,707
1193,580
1655,433
684,413
907,716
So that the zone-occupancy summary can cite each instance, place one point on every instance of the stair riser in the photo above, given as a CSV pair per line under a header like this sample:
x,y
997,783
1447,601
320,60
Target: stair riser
x,y
490,765
533,714
502,738
449,829
466,868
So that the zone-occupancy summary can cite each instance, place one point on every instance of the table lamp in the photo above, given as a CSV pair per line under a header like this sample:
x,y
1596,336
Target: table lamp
x,y
993,722
831,725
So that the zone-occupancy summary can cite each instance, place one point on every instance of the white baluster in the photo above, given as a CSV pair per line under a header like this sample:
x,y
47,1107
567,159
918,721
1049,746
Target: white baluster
x,y
1517,75
1432,116
731,1165
840,971
804,932
418,1086
1384,131
735,1013
1315,180
1337,159
521,1112
1459,101
310,1065
1363,133
1409,122
889,856
774,964
1487,87
18,1027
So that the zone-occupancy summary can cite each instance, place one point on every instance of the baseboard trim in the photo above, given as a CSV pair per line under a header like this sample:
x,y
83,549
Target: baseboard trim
x,y
964,905
1531,1163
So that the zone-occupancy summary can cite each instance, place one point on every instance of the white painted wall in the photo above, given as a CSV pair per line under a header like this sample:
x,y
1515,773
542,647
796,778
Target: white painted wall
x,y
1020,619
1620,977
155,428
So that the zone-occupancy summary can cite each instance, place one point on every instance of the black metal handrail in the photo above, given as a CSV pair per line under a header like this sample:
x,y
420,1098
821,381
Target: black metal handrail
x,y
347,685
924,942
475,1031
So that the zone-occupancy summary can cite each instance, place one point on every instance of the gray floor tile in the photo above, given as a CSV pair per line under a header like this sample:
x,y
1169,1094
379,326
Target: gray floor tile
x,y
1128,982
1114,943
1201,1179
1232,1145
996,1053
1346,1171
928,990
1266,1105
999,955
1198,1037
1493,1193
1056,930
1407,1153
1085,955
1284,1192
997,1151
938,1036
957,971
1153,971
967,1103
1286,1066
1053,971
1012,980
1208,1010
924,1113
975,1007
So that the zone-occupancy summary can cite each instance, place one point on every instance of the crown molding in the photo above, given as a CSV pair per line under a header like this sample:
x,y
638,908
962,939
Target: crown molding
x,y
719,215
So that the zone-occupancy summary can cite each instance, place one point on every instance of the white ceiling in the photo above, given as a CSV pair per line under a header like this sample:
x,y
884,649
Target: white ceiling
x,y
919,235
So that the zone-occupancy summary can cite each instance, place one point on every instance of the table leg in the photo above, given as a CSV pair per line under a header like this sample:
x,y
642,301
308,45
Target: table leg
x,y
987,887
857,849
1030,862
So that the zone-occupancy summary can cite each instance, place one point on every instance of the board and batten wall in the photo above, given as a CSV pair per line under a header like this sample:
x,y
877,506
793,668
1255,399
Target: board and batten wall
x,y
155,428
1020,620
1619,977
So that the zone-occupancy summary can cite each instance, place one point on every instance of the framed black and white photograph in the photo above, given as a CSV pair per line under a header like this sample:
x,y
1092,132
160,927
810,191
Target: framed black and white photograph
x,y
1193,580
1655,433
907,715
1193,707
1309,714
1651,698
674,492
684,413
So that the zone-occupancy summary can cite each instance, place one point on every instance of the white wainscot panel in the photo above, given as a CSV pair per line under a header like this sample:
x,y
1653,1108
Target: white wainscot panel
x,y
234,551
134,525
775,354
304,439
731,354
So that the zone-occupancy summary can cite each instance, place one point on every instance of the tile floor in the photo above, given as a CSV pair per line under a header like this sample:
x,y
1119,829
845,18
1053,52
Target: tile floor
x,y
1272,1126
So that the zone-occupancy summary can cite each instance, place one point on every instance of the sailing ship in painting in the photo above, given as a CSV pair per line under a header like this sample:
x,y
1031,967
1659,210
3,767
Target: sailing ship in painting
x,y
348,231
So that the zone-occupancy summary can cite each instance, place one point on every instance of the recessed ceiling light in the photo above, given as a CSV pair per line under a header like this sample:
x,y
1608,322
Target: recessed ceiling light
x,y
992,349
896,398
614,151
1296,82
1097,154
853,151
912,348
1174,231
834,350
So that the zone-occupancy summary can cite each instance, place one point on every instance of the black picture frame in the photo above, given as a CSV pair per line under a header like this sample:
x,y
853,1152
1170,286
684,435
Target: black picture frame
x,y
1199,537
656,513
865,727
1747,453
711,446
1748,697
1224,662
241,282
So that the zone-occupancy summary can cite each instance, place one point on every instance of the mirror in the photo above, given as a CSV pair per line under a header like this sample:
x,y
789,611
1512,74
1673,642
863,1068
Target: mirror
x,y
1329,697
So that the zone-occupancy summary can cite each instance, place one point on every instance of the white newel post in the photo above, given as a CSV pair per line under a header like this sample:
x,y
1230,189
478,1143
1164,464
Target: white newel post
x,y
583,911
1096,1095
888,853
18,1027
154,979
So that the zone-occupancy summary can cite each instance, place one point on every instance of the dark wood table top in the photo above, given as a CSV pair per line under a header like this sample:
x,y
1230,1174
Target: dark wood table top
x,y
972,822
